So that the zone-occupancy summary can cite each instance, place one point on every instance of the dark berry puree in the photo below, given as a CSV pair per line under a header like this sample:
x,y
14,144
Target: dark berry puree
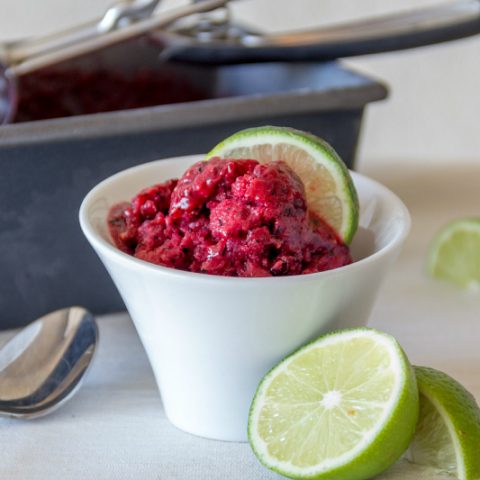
x,y
228,217
66,92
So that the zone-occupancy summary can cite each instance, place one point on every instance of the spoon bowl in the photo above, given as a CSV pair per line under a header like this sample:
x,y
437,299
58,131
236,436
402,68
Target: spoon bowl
x,y
43,365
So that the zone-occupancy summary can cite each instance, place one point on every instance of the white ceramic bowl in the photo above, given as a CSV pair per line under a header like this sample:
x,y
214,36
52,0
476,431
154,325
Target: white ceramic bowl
x,y
210,339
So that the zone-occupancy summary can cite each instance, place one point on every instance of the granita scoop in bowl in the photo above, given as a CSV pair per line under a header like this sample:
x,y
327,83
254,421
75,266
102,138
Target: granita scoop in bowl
x,y
232,217
241,261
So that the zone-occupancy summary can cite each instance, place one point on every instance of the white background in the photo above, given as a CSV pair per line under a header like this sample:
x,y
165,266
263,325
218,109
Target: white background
x,y
432,115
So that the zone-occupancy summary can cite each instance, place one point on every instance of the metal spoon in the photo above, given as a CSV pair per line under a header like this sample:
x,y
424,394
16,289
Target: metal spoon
x,y
43,366
229,43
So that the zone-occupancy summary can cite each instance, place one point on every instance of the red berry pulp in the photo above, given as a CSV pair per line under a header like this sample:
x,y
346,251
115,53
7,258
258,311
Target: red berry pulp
x,y
228,217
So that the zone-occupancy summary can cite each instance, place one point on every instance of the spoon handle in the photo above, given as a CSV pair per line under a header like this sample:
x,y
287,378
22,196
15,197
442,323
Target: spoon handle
x,y
26,57
123,11
398,31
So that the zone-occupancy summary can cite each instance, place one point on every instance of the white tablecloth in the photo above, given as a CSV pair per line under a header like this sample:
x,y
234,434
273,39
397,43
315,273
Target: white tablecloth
x,y
115,428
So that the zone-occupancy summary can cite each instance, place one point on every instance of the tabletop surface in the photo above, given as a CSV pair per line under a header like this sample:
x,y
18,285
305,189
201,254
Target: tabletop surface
x,y
115,428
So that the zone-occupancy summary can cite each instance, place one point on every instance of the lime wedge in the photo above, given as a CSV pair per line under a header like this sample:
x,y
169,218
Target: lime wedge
x,y
448,432
341,408
329,188
455,254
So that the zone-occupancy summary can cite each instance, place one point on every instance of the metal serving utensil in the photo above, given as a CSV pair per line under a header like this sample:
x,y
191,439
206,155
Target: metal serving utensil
x,y
123,21
43,365
217,40
224,42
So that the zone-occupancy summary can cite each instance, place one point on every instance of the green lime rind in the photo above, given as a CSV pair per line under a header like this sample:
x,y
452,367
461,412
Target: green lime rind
x,y
454,254
392,438
461,414
318,149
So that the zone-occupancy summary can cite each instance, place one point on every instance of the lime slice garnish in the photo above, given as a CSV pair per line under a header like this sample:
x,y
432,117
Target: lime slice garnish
x,y
329,187
455,254
448,431
341,408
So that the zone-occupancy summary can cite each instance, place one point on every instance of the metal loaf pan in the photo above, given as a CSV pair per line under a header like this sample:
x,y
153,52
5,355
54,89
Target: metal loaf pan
x,y
48,166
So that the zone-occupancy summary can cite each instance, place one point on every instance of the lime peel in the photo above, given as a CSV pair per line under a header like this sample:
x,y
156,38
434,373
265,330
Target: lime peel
x,y
329,187
448,432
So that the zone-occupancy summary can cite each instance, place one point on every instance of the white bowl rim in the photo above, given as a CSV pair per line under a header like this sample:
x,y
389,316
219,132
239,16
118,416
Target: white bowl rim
x,y
110,250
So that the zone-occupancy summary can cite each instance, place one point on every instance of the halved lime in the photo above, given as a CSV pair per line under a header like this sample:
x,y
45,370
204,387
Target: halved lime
x,y
455,254
341,408
329,187
448,431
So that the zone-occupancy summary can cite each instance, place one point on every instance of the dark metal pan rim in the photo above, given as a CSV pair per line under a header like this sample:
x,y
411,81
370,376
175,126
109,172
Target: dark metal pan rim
x,y
205,112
